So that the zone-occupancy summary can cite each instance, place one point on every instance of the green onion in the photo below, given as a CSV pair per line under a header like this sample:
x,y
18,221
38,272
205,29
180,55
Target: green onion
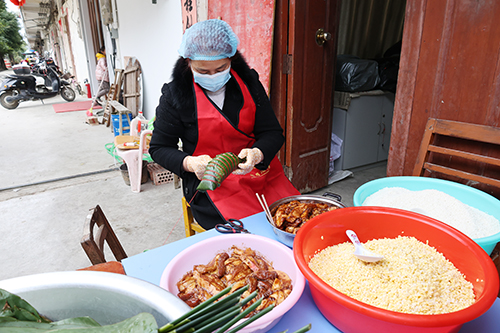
x,y
168,327
303,329
213,315
217,305
241,315
248,298
251,319
211,325
224,307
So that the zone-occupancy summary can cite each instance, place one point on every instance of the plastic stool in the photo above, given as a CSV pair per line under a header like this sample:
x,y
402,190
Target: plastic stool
x,y
133,159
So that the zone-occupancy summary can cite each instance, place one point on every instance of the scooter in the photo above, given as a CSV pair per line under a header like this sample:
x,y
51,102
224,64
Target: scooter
x,y
19,88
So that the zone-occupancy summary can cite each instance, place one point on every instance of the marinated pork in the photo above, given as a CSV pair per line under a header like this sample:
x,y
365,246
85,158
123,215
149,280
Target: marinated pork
x,y
237,267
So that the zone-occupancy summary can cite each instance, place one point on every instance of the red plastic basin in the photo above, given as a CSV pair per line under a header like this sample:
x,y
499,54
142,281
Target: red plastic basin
x,y
350,315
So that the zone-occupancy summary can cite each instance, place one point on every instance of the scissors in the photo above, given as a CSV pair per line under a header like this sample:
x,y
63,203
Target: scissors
x,y
232,226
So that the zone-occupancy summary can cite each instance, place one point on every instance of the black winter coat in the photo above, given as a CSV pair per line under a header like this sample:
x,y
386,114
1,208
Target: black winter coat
x,y
176,119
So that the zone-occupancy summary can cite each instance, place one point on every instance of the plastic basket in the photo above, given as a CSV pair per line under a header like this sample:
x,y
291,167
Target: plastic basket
x,y
159,175
126,119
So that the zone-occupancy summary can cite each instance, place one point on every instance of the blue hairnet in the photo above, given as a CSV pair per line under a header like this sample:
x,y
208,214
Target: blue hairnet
x,y
209,40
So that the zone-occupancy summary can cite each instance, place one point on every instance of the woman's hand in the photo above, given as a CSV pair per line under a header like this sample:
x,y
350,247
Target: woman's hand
x,y
253,155
196,164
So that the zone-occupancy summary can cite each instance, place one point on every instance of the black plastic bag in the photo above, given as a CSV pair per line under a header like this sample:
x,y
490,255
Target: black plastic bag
x,y
389,68
355,74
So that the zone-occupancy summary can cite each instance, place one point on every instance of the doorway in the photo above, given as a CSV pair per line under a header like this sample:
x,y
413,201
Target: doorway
x,y
308,37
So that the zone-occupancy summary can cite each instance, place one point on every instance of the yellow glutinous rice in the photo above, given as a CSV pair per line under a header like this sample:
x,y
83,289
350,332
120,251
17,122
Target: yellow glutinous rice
x,y
412,278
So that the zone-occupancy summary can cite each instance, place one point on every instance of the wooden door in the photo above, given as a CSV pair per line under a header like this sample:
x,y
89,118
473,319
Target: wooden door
x,y
95,25
449,70
302,87
132,85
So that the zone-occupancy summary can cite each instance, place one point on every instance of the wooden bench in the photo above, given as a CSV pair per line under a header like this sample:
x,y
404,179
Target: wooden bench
x,y
121,109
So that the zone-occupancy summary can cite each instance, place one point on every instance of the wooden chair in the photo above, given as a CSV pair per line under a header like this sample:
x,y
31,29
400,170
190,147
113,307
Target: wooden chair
x,y
190,225
463,163
93,242
441,156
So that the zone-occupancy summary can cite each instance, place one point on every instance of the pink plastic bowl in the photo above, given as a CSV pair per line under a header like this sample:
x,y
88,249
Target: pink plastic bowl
x,y
350,315
278,254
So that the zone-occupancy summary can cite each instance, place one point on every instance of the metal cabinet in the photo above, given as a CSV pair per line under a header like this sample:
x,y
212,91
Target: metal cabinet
x,y
363,121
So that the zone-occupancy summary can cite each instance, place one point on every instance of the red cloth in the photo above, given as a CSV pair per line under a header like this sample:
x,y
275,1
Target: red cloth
x,y
18,3
110,266
236,198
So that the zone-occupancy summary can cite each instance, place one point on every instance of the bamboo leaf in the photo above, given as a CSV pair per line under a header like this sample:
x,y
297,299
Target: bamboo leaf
x,y
141,323
78,322
14,307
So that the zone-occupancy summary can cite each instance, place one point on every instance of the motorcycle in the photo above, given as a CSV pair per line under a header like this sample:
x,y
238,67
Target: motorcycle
x,y
41,73
19,88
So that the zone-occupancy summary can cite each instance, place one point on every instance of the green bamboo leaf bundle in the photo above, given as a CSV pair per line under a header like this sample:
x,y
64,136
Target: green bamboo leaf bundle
x,y
14,308
141,323
217,170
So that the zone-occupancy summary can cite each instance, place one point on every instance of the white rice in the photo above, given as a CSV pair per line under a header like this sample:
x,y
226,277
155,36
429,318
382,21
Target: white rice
x,y
439,205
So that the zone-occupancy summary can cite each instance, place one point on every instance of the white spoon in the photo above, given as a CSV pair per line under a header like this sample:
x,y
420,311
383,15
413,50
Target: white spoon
x,y
359,251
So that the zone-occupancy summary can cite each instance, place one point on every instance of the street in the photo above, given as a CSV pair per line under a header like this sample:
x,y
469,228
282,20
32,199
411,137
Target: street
x,y
54,167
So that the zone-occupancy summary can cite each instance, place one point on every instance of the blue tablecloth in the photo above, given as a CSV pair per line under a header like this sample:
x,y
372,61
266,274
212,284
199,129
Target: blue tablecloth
x,y
149,266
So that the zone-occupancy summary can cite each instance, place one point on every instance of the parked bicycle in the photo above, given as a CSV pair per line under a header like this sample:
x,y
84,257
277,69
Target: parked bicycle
x,y
74,83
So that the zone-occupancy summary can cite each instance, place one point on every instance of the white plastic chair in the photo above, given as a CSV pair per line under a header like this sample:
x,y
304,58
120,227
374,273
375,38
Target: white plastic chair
x,y
133,159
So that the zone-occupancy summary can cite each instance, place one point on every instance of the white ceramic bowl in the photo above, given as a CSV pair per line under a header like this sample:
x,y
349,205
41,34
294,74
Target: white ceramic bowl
x,y
278,254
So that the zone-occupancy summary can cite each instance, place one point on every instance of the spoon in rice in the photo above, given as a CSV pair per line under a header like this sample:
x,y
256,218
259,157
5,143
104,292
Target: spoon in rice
x,y
360,251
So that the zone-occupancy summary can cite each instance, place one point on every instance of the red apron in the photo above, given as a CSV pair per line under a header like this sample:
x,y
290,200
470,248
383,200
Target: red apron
x,y
236,198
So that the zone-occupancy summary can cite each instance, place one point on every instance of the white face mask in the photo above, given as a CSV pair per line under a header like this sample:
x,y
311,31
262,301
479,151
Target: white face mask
x,y
212,82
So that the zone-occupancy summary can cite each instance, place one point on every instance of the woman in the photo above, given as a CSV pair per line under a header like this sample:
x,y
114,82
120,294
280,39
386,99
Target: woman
x,y
102,75
215,104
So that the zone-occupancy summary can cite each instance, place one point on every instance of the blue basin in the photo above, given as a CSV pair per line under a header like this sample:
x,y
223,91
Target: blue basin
x,y
468,195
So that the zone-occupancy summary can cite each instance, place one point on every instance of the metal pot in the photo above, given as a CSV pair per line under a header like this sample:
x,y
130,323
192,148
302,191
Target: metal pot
x,y
106,297
328,198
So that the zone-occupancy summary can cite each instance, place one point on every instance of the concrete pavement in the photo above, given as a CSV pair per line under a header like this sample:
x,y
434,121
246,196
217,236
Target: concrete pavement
x,y
54,167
